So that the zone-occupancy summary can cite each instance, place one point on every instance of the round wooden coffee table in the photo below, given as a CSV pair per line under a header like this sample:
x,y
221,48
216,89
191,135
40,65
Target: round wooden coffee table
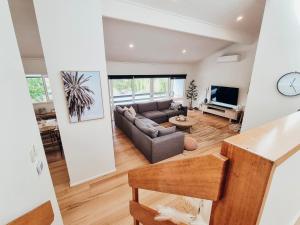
x,y
183,125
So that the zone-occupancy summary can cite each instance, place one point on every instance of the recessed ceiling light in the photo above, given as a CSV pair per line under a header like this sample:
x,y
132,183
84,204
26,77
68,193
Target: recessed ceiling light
x,y
239,18
183,51
131,45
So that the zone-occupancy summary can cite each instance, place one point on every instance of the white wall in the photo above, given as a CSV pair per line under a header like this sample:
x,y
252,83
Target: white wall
x,y
278,52
21,188
282,205
34,66
131,68
73,40
235,74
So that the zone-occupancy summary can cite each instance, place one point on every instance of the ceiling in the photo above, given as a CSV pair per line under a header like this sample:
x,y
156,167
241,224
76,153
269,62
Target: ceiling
x,y
26,28
219,12
152,44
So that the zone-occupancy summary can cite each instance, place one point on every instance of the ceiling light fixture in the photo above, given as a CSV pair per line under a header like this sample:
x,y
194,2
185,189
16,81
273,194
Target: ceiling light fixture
x,y
183,51
239,18
131,45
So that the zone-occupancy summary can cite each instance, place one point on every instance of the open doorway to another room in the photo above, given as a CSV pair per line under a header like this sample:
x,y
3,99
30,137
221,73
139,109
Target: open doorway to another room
x,y
39,87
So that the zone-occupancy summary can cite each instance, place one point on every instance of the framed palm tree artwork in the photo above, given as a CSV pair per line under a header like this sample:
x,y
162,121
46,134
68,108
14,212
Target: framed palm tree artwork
x,y
83,95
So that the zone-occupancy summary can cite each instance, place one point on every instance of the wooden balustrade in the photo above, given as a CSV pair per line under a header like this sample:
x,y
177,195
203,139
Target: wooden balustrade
x,y
200,177
238,181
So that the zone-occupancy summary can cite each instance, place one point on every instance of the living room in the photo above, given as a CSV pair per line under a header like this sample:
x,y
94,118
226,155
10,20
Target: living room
x,y
220,49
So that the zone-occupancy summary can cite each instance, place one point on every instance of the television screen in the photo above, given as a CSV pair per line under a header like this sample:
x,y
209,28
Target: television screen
x,y
224,96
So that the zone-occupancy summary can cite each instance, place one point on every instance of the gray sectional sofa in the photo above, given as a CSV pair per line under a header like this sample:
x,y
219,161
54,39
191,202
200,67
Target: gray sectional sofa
x,y
154,141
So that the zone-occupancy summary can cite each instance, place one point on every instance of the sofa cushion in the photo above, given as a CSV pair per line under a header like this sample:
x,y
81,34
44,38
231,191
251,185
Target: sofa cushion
x,y
129,116
139,116
171,112
154,114
145,107
162,105
162,131
146,128
149,122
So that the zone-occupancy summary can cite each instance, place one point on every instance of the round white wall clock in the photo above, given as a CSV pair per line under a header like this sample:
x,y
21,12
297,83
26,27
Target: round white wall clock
x,y
289,84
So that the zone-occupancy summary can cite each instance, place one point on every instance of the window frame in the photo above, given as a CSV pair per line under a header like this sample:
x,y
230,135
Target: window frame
x,y
43,76
169,92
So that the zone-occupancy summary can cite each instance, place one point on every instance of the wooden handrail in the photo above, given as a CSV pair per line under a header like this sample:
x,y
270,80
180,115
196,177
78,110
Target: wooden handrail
x,y
40,215
199,177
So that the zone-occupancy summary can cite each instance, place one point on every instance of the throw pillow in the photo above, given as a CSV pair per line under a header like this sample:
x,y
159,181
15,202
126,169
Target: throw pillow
x,y
175,106
146,128
120,110
132,111
166,131
129,116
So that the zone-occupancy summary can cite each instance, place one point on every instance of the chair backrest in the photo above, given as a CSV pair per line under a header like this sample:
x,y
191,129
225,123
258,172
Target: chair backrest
x,y
42,215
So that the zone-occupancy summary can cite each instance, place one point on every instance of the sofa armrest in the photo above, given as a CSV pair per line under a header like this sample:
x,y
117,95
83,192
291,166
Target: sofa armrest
x,y
167,146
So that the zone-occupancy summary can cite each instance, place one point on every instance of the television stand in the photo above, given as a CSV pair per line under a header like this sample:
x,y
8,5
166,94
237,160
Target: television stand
x,y
229,113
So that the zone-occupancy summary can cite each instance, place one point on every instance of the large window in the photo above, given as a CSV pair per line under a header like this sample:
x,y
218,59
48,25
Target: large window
x,y
178,88
130,89
142,89
161,87
122,90
39,88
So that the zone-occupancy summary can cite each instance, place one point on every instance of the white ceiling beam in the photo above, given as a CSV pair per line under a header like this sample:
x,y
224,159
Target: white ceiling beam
x,y
164,19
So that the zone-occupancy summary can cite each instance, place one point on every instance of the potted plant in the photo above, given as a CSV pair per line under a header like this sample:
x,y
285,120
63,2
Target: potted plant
x,y
192,93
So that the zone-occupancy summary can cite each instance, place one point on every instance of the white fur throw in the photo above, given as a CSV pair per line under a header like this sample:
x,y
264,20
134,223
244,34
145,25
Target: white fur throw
x,y
186,211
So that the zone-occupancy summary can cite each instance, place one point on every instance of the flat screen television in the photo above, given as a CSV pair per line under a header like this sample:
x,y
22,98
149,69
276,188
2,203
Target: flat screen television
x,y
224,96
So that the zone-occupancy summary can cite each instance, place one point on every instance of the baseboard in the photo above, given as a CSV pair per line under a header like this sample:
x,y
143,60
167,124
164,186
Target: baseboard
x,y
73,184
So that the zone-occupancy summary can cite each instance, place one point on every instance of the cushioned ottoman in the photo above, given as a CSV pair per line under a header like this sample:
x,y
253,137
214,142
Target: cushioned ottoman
x,y
190,144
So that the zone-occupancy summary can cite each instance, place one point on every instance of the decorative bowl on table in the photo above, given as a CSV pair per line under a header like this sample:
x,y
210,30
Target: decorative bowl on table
x,y
181,118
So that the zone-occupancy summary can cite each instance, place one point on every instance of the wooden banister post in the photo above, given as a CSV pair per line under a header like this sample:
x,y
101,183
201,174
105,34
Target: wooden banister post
x,y
135,198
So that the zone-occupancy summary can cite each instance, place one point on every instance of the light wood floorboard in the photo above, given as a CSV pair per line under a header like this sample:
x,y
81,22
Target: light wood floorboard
x,y
105,200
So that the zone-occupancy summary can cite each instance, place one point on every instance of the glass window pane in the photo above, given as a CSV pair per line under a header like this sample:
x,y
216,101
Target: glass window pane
x,y
178,88
142,89
122,90
49,90
160,86
36,89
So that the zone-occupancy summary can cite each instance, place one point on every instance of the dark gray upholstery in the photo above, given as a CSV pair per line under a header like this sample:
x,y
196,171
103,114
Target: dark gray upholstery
x,y
148,121
171,113
167,146
162,131
153,114
146,128
162,105
158,148
145,107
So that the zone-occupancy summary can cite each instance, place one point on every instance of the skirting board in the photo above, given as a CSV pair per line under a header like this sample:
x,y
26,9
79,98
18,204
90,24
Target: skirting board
x,y
73,184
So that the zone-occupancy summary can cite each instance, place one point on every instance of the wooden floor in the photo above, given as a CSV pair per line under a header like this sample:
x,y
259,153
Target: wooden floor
x,y
104,201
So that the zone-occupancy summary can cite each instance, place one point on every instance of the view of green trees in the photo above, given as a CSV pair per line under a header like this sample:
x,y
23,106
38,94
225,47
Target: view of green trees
x,y
36,89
